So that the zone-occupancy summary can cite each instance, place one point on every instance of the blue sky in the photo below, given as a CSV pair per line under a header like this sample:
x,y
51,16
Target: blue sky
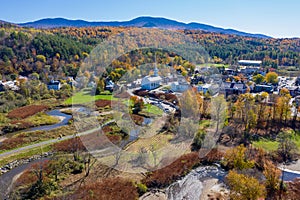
x,y
277,18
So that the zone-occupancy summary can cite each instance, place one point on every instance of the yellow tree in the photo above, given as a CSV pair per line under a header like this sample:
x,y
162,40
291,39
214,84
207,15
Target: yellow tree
x,y
258,79
246,107
236,158
283,107
272,77
244,187
272,174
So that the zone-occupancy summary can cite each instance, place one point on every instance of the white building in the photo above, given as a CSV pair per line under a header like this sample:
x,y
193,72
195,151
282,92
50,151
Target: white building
x,y
181,85
151,82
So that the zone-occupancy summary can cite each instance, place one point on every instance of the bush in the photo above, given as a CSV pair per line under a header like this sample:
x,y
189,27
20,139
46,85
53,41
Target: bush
x,y
198,140
69,146
26,111
108,189
163,177
142,188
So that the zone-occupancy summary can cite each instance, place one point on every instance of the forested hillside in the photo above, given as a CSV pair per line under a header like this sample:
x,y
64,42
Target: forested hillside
x,y
274,52
27,50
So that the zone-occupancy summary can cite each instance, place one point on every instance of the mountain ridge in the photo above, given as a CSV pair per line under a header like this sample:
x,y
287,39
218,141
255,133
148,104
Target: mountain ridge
x,y
143,21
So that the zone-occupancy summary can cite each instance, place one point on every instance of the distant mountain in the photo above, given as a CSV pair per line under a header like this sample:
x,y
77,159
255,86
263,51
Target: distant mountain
x,y
4,23
137,22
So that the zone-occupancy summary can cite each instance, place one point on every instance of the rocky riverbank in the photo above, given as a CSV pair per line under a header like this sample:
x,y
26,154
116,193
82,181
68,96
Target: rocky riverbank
x,y
6,168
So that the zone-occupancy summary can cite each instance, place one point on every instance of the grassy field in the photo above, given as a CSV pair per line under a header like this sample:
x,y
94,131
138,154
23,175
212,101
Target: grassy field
x,y
152,109
269,145
42,119
83,97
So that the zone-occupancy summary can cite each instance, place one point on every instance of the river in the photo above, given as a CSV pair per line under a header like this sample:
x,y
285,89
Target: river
x,y
55,113
189,187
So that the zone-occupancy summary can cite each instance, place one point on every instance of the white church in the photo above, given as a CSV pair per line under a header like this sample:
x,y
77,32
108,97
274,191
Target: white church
x,y
151,82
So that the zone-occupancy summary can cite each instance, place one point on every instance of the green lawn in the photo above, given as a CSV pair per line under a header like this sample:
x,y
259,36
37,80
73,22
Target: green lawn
x,y
267,145
85,97
270,145
152,109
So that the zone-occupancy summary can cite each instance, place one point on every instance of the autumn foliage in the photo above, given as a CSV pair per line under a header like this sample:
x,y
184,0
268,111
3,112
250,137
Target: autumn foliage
x,y
103,103
107,189
165,176
69,146
26,111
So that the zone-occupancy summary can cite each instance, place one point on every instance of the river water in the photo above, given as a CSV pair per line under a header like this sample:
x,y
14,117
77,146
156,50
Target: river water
x,y
54,113
189,187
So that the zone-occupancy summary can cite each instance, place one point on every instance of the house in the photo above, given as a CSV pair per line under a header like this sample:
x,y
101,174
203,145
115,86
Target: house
x,y
294,90
8,85
151,82
109,85
263,88
180,86
203,88
229,71
230,88
92,84
54,85
248,70
71,81
210,88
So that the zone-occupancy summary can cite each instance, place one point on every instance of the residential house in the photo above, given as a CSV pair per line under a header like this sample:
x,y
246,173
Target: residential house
x,y
230,88
8,85
212,89
248,70
263,88
109,85
54,85
294,90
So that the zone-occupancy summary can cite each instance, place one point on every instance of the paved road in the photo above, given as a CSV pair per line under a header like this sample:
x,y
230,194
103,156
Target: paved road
x,y
40,144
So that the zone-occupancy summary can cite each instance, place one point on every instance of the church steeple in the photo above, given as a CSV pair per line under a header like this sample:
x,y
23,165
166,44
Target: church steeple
x,y
155,71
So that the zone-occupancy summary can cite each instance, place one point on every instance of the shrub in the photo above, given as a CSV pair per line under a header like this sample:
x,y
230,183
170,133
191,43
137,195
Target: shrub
x,y
142,188
163,177
103,103
108,189
26,111
69,146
